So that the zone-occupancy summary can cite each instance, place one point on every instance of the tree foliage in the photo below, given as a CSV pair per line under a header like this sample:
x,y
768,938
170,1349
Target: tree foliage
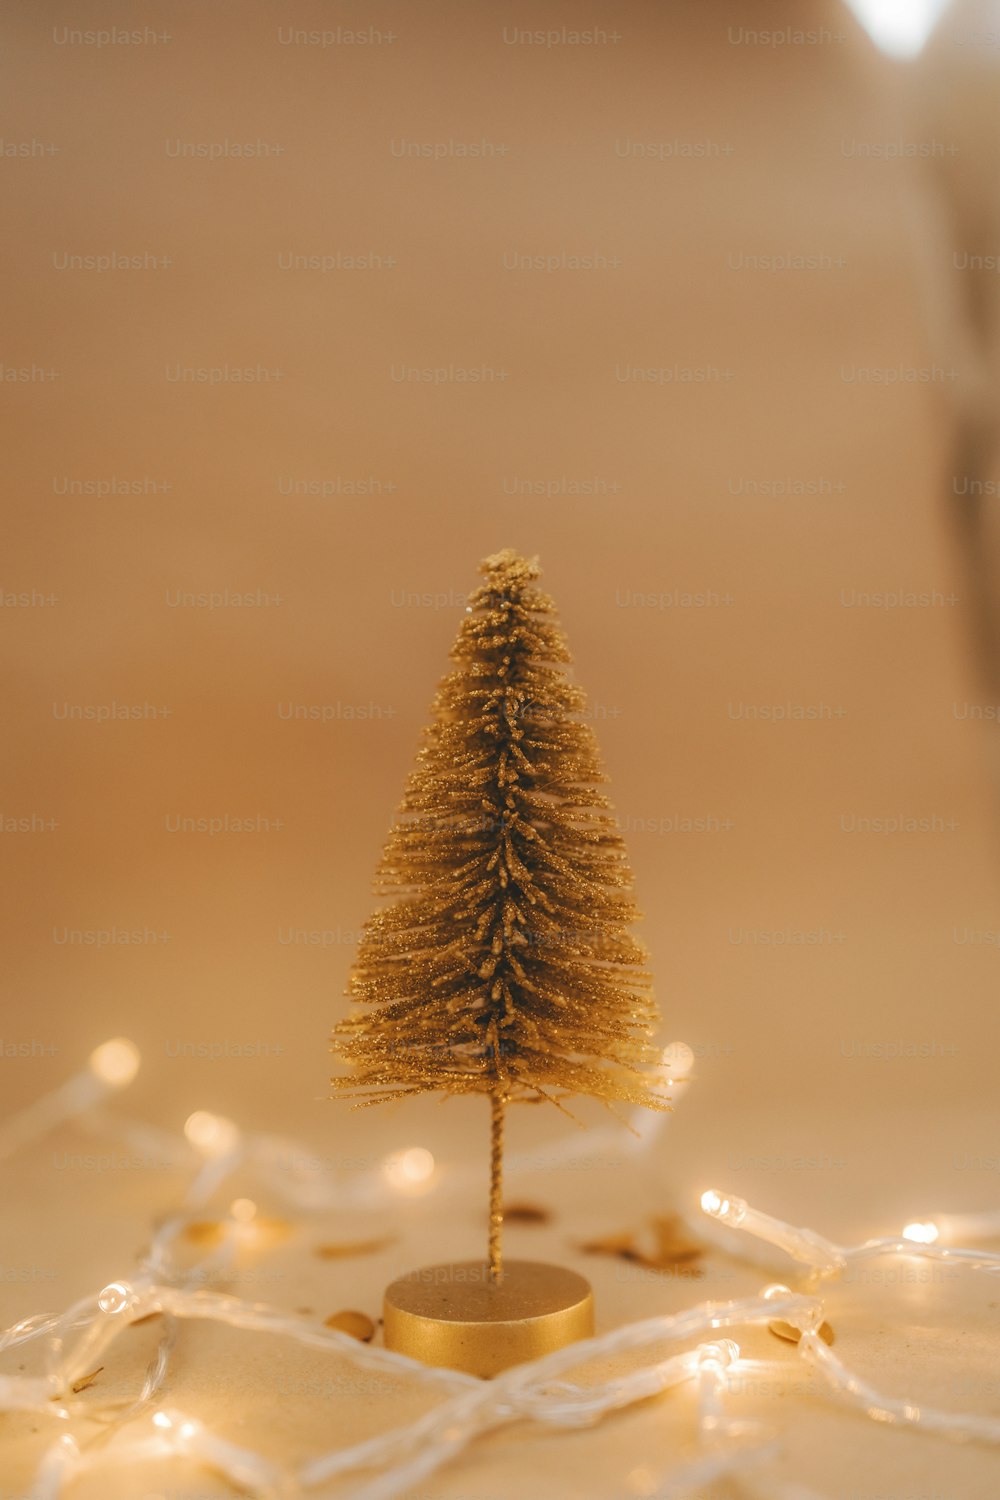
x,y
503,962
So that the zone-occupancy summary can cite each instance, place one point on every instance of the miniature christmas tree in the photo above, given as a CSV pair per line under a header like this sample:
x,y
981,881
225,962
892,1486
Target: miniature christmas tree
x,y
503,965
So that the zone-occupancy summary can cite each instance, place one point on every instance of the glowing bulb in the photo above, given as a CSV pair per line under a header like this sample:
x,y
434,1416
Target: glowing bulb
x,y
180,1427
243,1210
729,1210
718,1356
114,1297
409,1170
899,27
924,1233
212,1135
116,1062
642,1481
678,1059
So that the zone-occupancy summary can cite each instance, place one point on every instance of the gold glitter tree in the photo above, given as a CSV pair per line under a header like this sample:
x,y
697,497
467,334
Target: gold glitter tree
x,y
503,965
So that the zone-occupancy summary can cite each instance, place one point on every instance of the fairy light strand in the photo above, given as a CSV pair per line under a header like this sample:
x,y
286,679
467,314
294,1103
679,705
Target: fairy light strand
x,y
213,1148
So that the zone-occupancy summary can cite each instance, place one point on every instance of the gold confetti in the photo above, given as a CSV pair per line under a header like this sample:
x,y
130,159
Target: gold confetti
x,y
262,1231
661,1244
622,1244
673,1242
343,1249
204,1232
526,1213
85,1381
358,1324
792,1335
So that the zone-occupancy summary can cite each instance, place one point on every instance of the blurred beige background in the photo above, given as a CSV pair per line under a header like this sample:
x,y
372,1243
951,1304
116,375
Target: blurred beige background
x,y
748,483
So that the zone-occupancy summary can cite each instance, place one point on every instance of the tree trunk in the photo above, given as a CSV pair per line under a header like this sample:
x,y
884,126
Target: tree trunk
x,y
497,1103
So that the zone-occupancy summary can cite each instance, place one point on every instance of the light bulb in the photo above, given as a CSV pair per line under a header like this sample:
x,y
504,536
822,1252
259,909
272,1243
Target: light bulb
x,y
116,1062
181,1428
678,1059
729,1210
923,1232
719,1355
115,1297
212,1135
410,1170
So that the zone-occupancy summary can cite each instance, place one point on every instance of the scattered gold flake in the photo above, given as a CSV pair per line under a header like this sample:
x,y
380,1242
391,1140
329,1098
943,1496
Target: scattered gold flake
x,y
358,1324
257,1231
85,1380
660,1244
526,1213
612,1244
343,1249
204,1232
673,1241
792,1335
269,1231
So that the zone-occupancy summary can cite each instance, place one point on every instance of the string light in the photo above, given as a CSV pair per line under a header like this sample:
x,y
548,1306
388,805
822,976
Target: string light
x,y
410,1170
678,1061
539,1391
822,1255
110,1067
115,1063
181,1429
212,1135
953,1228
921,1233
115,1297
801,1244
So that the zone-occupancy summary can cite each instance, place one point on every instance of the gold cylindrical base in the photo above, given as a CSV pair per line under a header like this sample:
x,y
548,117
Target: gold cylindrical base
x,y
453,1315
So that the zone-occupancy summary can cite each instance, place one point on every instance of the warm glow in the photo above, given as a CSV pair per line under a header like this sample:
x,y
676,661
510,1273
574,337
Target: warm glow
x,y
114,1297
172,1422
212,1135
718,1356
116,1062
410,1169
921,1233
899,27
730,1210
243,1210
678,1059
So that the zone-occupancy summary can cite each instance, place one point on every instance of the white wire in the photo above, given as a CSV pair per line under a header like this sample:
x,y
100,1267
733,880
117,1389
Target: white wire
x,y
539,1392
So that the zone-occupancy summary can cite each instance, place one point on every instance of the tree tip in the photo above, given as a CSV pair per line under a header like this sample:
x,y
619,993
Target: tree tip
x,y
509,567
